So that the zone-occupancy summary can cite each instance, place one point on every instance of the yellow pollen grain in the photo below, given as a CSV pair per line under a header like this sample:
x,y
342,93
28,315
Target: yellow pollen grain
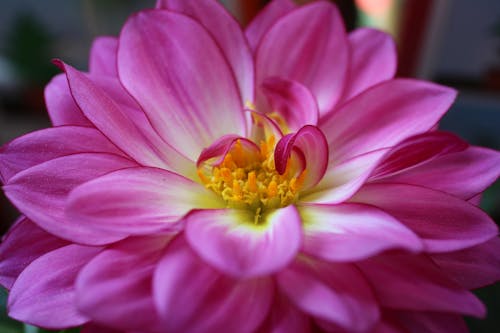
x,y
252,182
272,189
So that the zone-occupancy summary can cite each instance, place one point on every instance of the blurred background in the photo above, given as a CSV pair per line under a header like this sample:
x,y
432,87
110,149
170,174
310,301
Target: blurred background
x,y
453,42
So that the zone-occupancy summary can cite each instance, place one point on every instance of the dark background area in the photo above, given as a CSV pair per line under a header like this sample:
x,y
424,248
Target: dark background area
x,y
453,42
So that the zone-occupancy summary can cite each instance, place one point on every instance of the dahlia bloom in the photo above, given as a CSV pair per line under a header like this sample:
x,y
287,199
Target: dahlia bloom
x,y
201,178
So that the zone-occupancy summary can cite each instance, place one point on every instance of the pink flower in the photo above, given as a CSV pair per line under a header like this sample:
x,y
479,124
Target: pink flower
x,y
204,179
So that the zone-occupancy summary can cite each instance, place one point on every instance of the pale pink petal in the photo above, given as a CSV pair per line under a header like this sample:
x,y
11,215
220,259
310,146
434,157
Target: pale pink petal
x,y
260,126
46,288
191,100
193,297
292,101
311,142
384,115
444,223
44,145
41,192
60,104
351,232
307,45
103,56
235,242
373,60
137,201
115,288
226,31
418,150
114,122
258,27
285,318
463,174
415,283
341,181
429,322
474,267
337,293
23,243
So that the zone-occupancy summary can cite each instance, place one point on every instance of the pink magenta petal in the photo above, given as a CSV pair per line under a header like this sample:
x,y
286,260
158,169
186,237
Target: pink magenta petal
x,y
260,126
226,31
215,153
23,243
292,101
307,45
463,174
474,267
312,144
103,56
258,27
137,201
384,115
191,100
61,105
231,241
424,286
44,293
193,297
44,145
373,60
351,232
341,181
418,150
429,322
41,192
444,223
96,328
113,121
115,288
337,293
285,318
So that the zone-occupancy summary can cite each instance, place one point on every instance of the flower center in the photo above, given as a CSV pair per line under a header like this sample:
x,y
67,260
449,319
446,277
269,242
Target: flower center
x,y
248,179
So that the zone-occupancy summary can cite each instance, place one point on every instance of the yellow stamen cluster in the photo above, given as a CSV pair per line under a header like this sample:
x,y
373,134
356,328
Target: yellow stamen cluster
x,y
247,180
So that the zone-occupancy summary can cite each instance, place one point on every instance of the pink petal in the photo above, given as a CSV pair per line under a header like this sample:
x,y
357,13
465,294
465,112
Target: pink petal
x,y
226,32
103,56
341,181
231,241
44,294
47,144
312,143
418,150
260,126
474,267
215,153
429,322
291,100
41,192
307,45
96,328
373,60
193,297
258,27
423,285
336,293
285,318
61,105
351,232
114,122
115,288
190,100
384,115
463,174
23,243
137,201
443,222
